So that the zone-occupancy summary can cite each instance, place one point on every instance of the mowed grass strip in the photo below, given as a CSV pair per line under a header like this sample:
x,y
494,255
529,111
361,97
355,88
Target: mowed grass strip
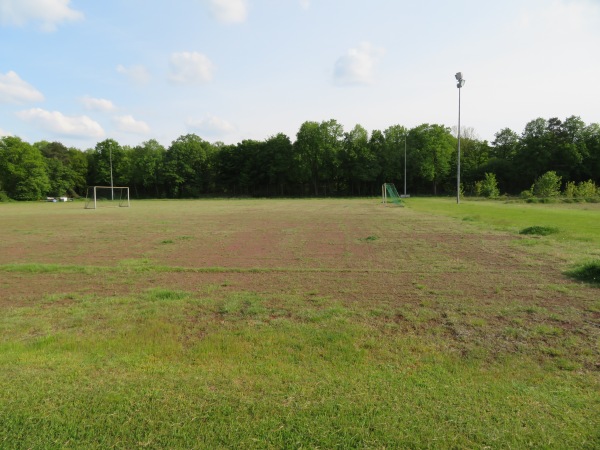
x,y
489,349
168,369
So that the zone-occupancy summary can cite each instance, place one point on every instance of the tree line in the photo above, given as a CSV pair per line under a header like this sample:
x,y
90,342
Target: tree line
x,y
323,160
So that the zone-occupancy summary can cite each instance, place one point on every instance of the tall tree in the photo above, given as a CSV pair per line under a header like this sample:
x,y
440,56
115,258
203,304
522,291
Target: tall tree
x,y
359,164
66,167
187,164
23,173
317,146
279,154
108,160
432,149
393,161
147,167
591,162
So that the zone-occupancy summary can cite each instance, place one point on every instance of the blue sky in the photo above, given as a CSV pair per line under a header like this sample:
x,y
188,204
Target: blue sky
x,y
81,71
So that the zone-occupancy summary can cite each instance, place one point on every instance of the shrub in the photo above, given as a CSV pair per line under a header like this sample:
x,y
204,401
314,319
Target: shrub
x,y
586,189
488,187
547,185
4,197
589,272
570,189
539,230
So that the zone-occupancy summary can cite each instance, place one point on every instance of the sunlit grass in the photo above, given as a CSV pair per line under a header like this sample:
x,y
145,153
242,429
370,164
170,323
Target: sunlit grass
x,y
397,335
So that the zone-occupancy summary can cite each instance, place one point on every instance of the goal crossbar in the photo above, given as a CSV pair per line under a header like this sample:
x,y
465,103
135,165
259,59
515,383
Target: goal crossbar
x,y
122,196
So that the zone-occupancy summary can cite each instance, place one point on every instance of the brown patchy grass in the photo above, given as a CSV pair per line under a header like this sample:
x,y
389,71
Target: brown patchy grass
x,y
288,323
398,269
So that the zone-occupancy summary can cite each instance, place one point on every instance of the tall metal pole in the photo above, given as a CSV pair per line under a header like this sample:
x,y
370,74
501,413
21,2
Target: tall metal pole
x,y
460,84
458,161
405,165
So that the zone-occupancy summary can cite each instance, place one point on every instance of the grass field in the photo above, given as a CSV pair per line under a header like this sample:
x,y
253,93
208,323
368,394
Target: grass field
x,y
298,324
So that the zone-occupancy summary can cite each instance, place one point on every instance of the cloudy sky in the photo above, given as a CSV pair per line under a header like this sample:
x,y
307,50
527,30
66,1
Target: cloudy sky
x,y
80,71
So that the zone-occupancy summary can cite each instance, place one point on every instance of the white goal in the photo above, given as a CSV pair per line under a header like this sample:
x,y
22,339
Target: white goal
x,y
98,196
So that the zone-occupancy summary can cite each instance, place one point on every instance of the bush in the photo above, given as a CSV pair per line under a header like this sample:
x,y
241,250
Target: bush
x,y
4,197
586,189
589,272
547,185
570,189
527,194
487,187
539,230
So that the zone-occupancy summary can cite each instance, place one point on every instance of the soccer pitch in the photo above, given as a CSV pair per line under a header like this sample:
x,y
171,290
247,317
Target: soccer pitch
x,y
330,323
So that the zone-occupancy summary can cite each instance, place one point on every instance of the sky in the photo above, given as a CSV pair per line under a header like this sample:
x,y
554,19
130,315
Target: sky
x,y
81,71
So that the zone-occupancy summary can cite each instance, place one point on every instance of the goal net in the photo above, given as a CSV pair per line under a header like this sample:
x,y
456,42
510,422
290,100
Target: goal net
x,y
390,193
99,196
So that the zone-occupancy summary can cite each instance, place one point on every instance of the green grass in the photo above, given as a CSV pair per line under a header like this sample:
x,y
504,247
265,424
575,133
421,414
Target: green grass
x,y
431,332
588,272
572,230
168,369
539,230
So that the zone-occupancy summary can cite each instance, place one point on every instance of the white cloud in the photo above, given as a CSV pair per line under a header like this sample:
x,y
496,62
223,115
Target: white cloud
x,y
190,68
97,104
211,125
229,11
136,73
56,122
14,90
357,65
4,133
305,4
129,125
49,13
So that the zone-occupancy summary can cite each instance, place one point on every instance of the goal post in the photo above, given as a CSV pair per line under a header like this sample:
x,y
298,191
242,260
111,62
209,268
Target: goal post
x,y
390,193
98,196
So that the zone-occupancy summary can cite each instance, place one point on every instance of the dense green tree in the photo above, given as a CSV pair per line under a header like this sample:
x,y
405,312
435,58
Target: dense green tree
x,y
505,144
591,161
187,164
147,167
432,148
108,162
279,156
23,174
358,164
392,161
475,155
66,167
568,147
318,146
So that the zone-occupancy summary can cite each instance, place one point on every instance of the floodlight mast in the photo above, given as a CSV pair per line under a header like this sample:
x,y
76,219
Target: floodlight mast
x,y
459,85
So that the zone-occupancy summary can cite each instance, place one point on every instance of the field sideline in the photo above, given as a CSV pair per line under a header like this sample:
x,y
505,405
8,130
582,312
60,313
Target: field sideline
x,y
336,323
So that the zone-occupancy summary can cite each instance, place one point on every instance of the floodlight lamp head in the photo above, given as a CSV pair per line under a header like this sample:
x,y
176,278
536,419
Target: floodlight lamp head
x,y
461,83
458,76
